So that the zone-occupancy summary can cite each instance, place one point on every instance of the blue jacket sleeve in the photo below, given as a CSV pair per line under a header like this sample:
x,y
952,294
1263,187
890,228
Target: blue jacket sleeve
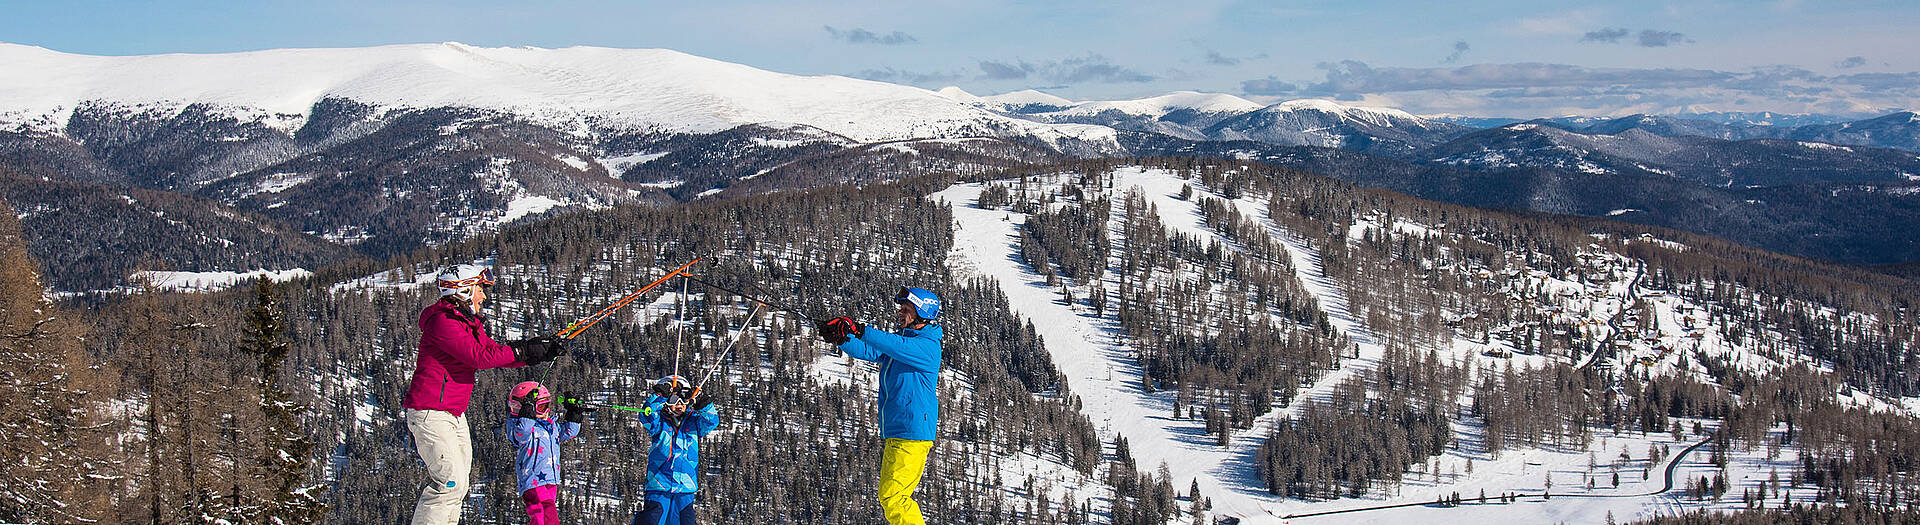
x,y
705,420
651,418
917,353
520,431
568,430
860,350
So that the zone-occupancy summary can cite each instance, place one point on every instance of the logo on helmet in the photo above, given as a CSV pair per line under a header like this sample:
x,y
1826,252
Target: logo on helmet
x,y
925,304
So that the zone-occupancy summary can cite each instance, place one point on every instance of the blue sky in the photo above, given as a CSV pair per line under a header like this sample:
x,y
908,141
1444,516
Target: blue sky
x,y
1495,58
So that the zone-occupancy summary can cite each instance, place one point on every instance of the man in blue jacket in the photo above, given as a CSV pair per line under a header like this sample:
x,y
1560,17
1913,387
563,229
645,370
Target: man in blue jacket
x,y
909,398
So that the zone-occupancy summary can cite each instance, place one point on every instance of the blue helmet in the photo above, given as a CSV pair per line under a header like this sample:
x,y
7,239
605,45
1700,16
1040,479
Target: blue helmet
x,y
926,305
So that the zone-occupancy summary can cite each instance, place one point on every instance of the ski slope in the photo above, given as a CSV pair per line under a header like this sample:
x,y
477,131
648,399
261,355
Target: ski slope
x,y
1092,353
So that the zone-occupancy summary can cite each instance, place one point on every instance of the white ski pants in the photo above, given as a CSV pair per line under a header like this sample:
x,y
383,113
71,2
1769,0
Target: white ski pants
x,y
447,447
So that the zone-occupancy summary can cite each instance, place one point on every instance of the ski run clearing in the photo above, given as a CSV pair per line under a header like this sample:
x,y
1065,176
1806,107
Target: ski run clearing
x,y
212,281
1093,354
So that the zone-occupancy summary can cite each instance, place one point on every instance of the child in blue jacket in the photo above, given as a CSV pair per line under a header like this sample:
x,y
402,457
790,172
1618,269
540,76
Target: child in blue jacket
x,y
677,417
536,440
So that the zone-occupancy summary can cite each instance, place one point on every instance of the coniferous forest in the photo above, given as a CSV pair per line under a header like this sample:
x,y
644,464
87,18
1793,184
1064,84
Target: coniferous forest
x,y
280,402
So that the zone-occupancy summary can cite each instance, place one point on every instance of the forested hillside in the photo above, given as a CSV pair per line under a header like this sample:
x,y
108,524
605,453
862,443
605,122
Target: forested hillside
x,y
1329,346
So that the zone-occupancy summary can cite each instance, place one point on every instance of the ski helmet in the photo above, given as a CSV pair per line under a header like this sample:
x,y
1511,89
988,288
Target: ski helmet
x,y
459,279
926,305
542,399
673,386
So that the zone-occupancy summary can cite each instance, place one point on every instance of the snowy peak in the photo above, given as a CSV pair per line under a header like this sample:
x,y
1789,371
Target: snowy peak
x,y
1324,123
1027,97
1023,102
1640,150
1370,115
638,89
1169,103
956,94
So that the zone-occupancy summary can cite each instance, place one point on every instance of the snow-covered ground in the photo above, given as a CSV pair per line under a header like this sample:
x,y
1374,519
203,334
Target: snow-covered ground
x,y
1092,353
212,281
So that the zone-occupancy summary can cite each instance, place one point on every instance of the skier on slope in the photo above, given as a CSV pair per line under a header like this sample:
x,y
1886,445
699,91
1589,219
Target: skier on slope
x,y
909,405
453,345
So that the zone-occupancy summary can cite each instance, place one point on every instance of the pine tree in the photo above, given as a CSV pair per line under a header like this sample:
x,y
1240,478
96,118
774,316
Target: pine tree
x,y
287,452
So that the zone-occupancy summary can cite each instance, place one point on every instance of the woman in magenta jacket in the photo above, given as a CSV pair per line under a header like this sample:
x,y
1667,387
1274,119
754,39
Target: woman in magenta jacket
x,y
453,345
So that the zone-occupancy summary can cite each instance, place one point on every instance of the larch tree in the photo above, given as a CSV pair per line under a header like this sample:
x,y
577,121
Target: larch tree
x,y
53,430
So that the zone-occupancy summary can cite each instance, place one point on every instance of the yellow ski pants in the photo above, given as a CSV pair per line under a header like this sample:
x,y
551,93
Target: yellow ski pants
x,y
900,468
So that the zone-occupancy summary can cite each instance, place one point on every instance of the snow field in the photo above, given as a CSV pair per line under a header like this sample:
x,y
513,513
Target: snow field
x,y
212,281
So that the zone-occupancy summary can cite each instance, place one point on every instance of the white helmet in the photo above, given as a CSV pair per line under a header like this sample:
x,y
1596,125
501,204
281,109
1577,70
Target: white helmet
x,y
459,279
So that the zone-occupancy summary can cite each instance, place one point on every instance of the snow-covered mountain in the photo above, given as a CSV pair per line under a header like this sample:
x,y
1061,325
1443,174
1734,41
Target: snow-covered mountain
x,y
1184,114
577,88
1314,122
1899,130
382,149
385,148
1703,160
1192,115
1676,127
1022,101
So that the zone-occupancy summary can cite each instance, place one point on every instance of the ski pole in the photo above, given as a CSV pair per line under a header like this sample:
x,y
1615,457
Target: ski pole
x,y
762,300
642,410
722,358
575,328
755,298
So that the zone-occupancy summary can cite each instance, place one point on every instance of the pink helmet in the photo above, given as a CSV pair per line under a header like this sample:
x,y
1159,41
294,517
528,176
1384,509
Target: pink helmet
x,y
542,398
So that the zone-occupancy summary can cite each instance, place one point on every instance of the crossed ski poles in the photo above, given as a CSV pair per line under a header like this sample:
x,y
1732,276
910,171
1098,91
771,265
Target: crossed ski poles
x,y
718,361
575,328
775,304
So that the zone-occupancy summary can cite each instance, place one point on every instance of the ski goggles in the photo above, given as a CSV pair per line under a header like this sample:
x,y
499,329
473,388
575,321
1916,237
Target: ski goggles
x,y
484,280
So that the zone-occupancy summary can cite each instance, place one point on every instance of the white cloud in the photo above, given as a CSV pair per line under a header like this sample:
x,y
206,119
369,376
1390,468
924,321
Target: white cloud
x,y
1571,22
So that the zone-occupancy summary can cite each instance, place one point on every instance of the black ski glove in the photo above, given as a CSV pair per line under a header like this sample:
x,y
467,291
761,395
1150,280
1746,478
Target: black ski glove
x,y
529,406
848,327
701,401
576,413
827,332
838,330
536,350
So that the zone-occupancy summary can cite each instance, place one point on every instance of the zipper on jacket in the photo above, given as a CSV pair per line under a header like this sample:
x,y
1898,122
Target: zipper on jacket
x,y
884,367
443,389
